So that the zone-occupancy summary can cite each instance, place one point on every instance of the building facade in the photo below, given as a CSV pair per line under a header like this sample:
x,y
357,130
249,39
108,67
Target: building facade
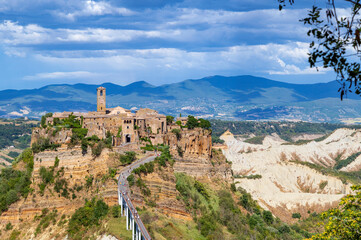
x,y
124,125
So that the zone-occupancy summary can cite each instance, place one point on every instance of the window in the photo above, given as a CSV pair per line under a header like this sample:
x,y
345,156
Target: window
x,y
101,92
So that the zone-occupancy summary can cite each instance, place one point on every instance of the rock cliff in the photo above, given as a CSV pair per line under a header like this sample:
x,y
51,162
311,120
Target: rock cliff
x,y
274,174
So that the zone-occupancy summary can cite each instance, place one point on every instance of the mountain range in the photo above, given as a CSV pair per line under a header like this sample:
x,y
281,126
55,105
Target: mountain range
x,y
237,98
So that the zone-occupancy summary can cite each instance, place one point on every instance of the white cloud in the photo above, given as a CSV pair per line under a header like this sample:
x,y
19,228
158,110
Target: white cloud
x,y
94,8
61,75
171,64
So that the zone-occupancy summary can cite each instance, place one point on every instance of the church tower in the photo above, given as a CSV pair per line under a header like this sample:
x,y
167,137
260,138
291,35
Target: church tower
x,y
101,107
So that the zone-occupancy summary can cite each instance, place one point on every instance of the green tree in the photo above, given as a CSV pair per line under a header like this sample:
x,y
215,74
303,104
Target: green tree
x,y
170,119
204,123
343,222
192,122
336,41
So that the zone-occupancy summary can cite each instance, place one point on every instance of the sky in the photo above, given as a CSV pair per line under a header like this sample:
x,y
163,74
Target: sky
x,y
159,41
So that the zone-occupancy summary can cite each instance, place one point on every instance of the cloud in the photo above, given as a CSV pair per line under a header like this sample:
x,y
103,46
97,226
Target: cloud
x,y
94,8
61,75
164,65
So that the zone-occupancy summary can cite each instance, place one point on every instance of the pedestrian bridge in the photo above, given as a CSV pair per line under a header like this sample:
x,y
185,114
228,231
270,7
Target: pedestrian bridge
x,y
133,221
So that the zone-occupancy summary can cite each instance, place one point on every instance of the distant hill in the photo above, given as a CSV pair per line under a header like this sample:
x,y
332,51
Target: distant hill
x,y
240,97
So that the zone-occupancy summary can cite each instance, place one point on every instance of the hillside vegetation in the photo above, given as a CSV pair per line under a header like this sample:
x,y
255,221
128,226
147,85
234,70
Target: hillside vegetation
x,y
286,130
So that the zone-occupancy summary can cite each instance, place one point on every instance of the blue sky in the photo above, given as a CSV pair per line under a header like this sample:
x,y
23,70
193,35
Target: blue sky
x,y
159,41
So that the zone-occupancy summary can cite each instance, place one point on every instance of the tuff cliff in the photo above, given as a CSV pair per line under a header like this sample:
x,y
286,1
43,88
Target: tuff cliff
x,y
76,168
193,150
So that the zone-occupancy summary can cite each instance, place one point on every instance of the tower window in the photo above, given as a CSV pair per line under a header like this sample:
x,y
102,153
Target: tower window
x,y
101,92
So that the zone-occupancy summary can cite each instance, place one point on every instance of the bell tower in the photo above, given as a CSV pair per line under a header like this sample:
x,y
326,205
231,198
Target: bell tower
x,y
101,107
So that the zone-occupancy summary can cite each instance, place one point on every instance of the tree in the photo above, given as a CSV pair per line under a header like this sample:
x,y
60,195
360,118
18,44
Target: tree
x,y
170,119
204,123
192,122
336,42
343,222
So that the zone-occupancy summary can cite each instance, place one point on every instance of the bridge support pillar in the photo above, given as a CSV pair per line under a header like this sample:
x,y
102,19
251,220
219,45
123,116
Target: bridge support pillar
x,y
127,216
139,235
133,230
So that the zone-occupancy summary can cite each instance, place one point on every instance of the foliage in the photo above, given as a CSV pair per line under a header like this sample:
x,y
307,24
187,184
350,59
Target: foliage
x,y
97,149
253,176
145,169
177,133
46,218
218,211
268,217
255,140
343,222
14,183
116,211
127,158
119,131
143,187
286,130
192,122
335,42
296,215
43,119
164,157
87,216
13,154
343,163
71,121
89,181
180,151
16,133
205,124
353,177
216,139
43,144
131,180
78,134
170,119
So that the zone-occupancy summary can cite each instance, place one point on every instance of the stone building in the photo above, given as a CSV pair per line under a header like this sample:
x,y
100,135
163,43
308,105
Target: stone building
x,y
125,126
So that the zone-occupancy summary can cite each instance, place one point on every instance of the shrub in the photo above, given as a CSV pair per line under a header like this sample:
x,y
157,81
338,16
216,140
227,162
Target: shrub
x,y
127,158
170,119
296,215
87,216
89,181
233,187
131,180
97,149
56,163
43,144
323,184
284,229
116,211
13,154
180,151
8,227
267,217
177,133
201,189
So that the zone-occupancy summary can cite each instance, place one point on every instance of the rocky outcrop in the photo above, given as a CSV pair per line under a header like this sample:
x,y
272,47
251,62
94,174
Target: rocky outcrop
x,y
76,168
162,185
57,137
193,143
